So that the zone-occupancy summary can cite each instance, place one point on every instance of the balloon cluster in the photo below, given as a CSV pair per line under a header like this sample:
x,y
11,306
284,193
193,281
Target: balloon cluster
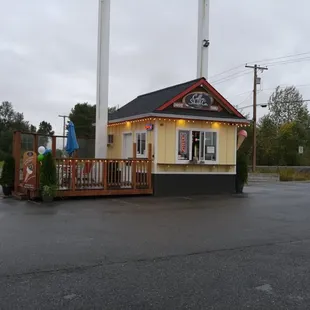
x,y
42,152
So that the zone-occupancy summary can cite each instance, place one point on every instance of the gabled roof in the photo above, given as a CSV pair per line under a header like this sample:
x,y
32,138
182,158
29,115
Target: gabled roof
x,y
160,101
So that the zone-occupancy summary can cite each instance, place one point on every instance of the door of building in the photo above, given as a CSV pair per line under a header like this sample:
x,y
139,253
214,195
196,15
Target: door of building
x,y
127,145
127,153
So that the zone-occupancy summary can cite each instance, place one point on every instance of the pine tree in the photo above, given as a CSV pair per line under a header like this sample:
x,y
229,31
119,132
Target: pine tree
x,y
48,172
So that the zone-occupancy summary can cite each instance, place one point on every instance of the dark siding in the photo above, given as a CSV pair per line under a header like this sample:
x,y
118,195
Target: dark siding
x,y
193,184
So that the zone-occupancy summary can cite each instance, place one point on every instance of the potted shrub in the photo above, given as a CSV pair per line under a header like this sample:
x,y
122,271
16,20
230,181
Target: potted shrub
x,y
242,172
8,175
48,179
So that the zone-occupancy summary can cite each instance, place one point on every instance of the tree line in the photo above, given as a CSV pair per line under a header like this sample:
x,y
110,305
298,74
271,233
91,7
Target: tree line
x,y
280,132
83,115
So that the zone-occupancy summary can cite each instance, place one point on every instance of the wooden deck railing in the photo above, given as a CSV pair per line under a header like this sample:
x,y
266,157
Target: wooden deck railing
x,y
101,177
81,177
88,176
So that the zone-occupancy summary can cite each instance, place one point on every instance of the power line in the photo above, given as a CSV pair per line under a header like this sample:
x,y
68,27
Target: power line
x,y
268,89
263,60
267,103
230,77
240,94
299,101
242,73
287,85
246,92
226,71
272,64
247,98
288,61
277,58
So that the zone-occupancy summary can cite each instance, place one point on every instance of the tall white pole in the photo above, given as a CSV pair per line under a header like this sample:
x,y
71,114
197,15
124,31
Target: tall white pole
x,y
203,38
102,79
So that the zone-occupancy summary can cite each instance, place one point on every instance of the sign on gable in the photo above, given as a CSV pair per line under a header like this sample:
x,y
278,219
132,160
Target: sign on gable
x,y
199,101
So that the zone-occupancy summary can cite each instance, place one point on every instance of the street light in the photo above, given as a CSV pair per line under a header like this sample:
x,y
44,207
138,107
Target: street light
x,y
263,105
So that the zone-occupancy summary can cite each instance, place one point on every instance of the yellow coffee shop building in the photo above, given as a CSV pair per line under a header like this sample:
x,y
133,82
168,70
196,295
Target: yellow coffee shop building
x,y
193,132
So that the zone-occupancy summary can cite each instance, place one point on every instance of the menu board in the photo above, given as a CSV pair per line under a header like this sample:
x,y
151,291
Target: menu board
x,y
183,148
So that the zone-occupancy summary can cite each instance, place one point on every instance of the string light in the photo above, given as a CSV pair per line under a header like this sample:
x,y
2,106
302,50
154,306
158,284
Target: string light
x,y
111,161
225,123
105,161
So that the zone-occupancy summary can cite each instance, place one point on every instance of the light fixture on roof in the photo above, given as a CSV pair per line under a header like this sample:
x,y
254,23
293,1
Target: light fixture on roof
x,y
205,43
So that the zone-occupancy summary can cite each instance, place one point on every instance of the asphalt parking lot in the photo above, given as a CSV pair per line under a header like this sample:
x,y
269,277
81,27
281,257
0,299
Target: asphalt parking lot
x,y
221,252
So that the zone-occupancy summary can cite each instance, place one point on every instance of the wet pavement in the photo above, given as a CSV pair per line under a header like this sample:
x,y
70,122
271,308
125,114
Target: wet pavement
x,y
223,252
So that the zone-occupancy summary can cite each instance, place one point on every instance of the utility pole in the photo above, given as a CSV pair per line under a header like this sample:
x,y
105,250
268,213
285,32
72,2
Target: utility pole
x,y
63,130
255,67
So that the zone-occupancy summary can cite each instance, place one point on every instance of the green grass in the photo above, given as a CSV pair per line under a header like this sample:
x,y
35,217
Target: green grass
x,y
1,164
271,170
267,170
287,175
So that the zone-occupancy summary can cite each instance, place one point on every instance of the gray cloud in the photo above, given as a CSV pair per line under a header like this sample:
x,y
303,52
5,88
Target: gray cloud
x,y
48,49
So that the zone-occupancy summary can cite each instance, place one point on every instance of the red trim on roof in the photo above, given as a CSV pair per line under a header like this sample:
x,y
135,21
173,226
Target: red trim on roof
x,y
212,91
217,95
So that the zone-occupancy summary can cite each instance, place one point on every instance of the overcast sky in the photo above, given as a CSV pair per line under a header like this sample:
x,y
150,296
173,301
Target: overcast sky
x,y
48,50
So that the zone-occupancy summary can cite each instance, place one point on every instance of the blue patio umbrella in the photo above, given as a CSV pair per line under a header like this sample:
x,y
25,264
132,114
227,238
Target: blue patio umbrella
x,y
72,144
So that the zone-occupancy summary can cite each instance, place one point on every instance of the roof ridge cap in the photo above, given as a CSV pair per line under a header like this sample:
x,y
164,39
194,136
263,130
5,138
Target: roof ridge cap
x,y
166,88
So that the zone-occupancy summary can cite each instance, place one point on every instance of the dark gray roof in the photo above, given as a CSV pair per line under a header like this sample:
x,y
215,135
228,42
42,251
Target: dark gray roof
x,y
148,103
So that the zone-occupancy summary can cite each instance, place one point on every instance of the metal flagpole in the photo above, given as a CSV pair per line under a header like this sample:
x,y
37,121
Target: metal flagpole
x,y
102,79
203,38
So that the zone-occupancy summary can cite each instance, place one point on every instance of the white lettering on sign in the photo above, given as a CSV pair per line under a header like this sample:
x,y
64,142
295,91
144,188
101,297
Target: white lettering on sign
x,y
198,100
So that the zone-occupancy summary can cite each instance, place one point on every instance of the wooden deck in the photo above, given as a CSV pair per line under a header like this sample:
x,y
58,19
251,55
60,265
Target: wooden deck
x,y
78,177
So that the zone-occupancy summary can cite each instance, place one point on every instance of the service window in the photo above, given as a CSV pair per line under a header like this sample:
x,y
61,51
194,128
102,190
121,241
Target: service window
x,y
197,144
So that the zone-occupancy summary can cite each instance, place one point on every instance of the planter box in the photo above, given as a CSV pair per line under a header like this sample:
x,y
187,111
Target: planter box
x,y
7,190
47,198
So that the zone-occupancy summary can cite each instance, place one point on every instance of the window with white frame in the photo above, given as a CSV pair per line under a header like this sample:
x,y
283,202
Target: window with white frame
x,y
200,145
141,143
